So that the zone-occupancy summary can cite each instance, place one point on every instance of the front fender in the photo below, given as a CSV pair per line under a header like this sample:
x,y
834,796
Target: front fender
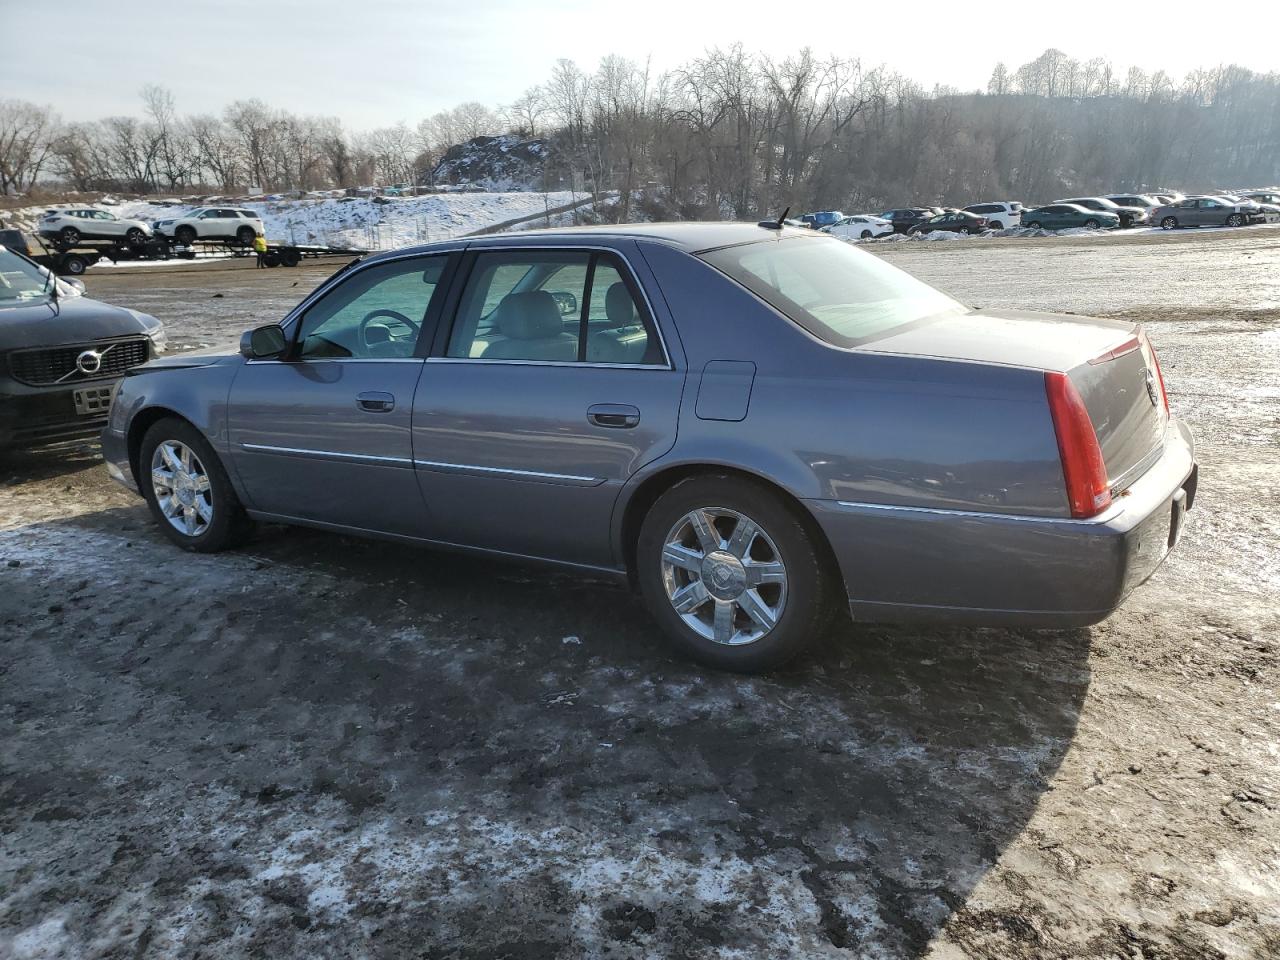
x,y
197,393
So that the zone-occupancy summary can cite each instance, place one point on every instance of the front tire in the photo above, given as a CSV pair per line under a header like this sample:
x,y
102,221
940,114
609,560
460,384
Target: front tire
x,y
733,574
135,237
1235,220
1091,224
185,235
188,490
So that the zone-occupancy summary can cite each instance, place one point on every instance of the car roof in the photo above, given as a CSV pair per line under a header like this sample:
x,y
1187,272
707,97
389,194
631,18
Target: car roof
x,y
689,237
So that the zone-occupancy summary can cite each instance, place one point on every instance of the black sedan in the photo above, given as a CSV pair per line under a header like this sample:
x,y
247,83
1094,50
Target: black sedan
x,y
61,354
957,221
904,218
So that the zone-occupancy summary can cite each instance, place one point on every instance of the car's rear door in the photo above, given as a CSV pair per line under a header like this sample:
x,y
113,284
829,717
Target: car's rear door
x,y
325,435
1210,212
552,385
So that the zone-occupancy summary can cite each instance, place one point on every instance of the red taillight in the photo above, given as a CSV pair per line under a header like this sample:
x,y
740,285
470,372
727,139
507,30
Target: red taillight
x,y
1088,491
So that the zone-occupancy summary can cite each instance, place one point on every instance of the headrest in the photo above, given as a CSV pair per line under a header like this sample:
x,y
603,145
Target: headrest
x,y
530,315
618,305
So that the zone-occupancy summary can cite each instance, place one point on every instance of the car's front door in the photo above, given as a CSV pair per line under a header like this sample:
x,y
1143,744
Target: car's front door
x,y
551,388
324,433
106,225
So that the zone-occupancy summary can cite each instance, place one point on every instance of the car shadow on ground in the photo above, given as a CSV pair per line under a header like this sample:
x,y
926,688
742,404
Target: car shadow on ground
x,y
360,747
24,466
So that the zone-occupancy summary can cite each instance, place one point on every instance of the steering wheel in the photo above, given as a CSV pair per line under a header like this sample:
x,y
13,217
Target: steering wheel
x,y
363,332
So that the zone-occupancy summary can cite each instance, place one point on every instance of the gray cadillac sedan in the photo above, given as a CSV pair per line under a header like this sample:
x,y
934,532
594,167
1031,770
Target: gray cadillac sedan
x,y
754,425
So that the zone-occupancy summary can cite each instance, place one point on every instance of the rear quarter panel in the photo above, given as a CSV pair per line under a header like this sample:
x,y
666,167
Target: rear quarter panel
x,y
832,424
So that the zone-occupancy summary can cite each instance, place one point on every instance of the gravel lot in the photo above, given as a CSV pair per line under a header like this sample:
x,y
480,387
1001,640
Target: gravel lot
x,y
319,747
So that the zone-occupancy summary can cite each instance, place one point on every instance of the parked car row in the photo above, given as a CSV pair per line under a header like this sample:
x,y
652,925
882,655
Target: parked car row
x,y
1117,210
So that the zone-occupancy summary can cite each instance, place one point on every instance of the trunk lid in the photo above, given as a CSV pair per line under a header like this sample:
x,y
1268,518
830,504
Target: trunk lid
x,y
1121,390
1018,338
1110,362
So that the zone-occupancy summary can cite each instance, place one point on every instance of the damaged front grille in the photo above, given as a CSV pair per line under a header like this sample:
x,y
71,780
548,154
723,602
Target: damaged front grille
x,y
74,364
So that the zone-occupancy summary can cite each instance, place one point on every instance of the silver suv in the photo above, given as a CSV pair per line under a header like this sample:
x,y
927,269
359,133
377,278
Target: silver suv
x,y
213,223
68,227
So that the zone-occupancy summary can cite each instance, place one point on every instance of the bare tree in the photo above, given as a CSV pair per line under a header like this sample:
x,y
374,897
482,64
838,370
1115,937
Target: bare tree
x,y
526,111
27,133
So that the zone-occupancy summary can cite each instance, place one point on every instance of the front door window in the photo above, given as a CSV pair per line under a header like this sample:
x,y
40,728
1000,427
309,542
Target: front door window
x,y
376,314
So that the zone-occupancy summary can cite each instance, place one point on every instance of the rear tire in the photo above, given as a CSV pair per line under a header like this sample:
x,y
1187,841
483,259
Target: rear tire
x,y
69,236
1169,223
995,225
226,524
866,234
769,620
246,235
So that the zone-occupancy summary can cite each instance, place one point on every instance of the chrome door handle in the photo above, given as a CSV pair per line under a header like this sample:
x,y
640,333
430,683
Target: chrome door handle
x,y
618,415
376,402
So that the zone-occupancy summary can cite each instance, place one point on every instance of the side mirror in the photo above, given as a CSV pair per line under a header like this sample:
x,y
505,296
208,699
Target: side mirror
x,y
263,343
566,301
74,282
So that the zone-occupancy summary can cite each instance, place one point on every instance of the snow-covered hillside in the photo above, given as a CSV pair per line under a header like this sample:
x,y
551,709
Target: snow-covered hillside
x,y
359,222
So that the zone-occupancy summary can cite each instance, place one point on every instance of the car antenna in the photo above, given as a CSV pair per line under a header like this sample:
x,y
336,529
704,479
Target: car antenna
x,y
775,224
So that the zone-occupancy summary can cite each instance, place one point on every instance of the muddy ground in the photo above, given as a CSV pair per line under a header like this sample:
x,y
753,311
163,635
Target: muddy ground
x,y
318,747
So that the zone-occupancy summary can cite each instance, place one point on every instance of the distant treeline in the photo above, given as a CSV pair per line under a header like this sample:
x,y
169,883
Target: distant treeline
x,y
731,133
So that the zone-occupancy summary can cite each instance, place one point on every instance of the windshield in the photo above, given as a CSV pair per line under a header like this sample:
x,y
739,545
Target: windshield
x,y
21,280
841,295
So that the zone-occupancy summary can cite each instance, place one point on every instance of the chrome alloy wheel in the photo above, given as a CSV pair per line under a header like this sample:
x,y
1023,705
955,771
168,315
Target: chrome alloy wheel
x,y
724,576
181,487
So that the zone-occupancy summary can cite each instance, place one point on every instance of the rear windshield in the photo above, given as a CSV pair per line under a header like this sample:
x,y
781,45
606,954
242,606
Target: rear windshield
x,y
249,213
839,294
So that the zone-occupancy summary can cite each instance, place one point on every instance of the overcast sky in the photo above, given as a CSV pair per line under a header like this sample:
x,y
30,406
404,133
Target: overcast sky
x,y
373,62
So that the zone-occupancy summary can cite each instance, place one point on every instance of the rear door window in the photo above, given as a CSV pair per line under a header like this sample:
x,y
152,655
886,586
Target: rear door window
x,y
558,306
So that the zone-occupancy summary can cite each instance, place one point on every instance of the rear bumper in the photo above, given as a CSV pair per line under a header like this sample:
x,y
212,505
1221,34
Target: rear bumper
x,y
903,564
